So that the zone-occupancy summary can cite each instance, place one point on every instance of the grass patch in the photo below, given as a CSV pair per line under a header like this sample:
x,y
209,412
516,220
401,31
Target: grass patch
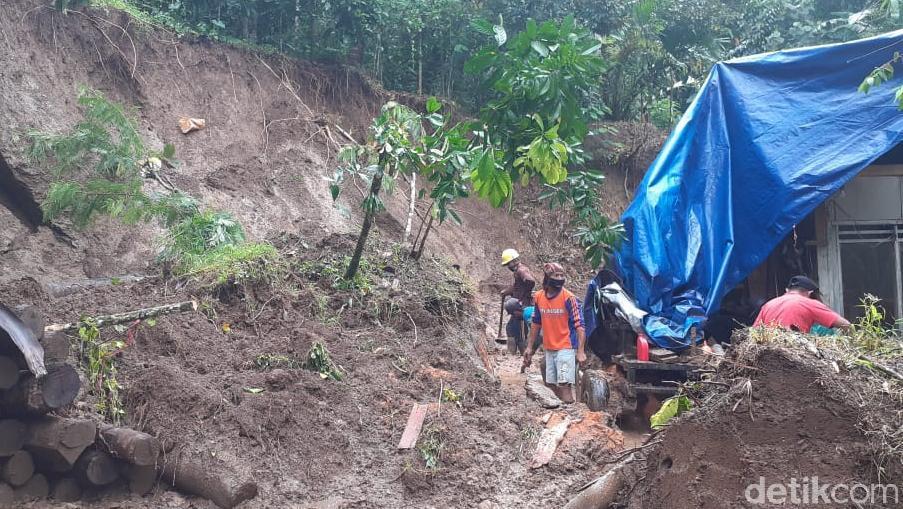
x,y
250,263
331,270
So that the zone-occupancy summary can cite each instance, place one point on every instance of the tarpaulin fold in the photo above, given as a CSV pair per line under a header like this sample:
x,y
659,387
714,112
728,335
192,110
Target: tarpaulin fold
x,y
766,140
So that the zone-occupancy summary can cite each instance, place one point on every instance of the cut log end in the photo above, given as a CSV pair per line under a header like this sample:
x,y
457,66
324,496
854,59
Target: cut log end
x,y
18,469
65,489
12,436
35,489
57,442
40,396
96,468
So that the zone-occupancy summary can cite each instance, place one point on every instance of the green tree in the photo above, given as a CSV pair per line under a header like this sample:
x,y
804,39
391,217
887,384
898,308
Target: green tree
x,y
534,125
394,136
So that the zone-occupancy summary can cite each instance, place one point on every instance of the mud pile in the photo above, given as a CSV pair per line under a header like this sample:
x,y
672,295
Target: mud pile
x,y
790,416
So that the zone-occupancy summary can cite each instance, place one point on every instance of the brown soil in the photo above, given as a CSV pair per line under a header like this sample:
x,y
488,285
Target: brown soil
x,y
796,420
307,441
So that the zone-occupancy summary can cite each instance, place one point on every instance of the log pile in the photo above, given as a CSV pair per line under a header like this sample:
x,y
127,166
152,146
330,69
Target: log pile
x,y
48,456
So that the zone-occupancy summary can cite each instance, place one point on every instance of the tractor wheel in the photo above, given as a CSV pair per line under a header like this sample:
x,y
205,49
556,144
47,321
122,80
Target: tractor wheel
x,y
595,390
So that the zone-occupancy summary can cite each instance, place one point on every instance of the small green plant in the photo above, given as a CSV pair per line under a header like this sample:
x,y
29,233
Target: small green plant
x,y
98,360
268,361
671,408
430,446
450,396
318,360
870,332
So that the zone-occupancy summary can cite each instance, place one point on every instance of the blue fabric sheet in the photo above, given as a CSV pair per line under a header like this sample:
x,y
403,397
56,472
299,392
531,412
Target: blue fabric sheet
x,y
767,139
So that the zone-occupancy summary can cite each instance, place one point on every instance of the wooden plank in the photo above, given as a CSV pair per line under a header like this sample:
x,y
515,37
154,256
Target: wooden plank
x,y
551,436
412,429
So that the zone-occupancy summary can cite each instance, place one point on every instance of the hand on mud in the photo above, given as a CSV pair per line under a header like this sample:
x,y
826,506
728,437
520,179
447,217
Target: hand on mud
x,y
581,358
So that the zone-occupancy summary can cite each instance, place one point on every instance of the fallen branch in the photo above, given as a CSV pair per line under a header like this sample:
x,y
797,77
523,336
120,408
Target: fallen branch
x,y
130,316
62,289
345,133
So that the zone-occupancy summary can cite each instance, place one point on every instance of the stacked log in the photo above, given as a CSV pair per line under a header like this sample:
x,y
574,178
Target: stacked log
x,y
47,456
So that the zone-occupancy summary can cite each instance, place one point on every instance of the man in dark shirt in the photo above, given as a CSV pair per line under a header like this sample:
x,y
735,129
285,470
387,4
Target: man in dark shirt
x,y
521,291
522,287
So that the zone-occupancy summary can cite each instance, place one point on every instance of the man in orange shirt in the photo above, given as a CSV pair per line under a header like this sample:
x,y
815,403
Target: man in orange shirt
x,y
799,309
557,314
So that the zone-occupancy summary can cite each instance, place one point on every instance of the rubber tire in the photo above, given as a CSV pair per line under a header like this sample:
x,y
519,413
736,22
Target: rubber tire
x,y
595,391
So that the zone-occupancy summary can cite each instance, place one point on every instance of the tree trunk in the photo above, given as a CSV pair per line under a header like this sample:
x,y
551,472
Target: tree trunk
x,y
419,251
129,445
370,212
65,489
411,210
420,63
96,469
12,436
199,478
36,488
33,396
64,288
18,469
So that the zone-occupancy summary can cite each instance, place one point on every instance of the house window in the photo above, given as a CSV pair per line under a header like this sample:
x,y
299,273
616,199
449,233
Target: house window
x,y
869,265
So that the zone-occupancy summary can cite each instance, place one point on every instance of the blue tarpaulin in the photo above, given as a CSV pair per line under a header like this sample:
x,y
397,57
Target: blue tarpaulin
x,y
766,140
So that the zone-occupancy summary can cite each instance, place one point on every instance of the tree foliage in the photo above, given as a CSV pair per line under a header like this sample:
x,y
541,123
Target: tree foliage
x,y
539,112
654,49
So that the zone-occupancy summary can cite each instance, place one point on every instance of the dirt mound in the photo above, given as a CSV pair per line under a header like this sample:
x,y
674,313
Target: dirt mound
x,y
787,418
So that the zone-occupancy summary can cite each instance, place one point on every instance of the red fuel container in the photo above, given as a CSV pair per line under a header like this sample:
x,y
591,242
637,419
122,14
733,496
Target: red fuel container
x,y
642,348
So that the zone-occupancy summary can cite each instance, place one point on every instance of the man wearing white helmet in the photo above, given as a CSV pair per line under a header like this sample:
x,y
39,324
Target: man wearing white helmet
x,y
517,296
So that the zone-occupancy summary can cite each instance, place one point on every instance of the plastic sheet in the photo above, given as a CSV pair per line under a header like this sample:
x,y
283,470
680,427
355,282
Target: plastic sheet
x,y
767,139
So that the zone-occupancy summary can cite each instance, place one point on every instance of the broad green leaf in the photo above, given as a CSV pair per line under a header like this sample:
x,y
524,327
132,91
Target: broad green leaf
x,y
671,408
483,26
432,105
169,151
